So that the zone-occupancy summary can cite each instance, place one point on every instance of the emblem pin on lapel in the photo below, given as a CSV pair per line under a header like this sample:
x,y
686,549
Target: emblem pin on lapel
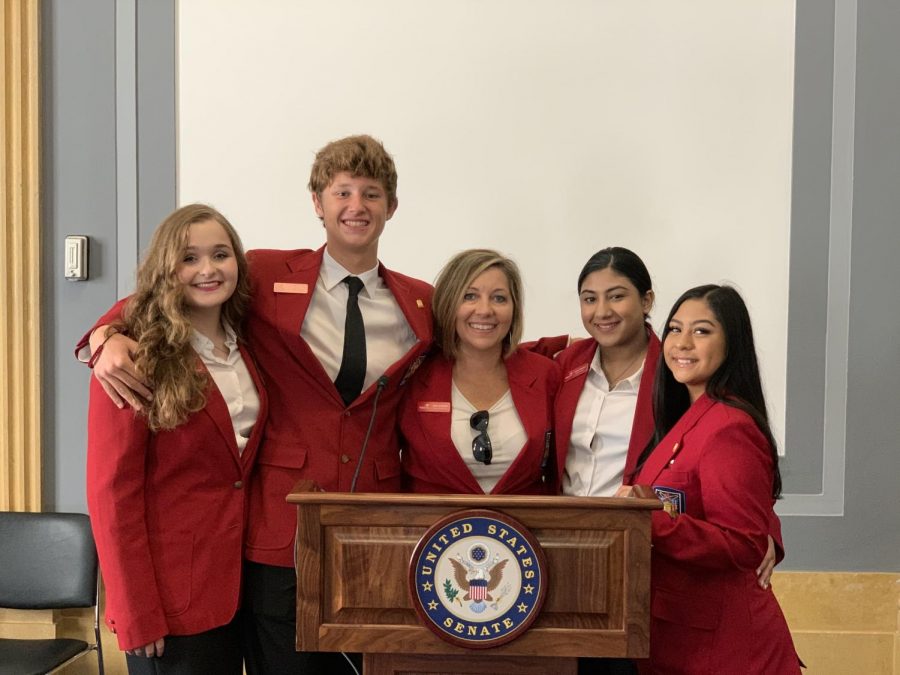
x,y
675,449
420,304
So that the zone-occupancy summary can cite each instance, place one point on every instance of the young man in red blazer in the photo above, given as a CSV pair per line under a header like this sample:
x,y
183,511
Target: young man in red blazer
x,y
299,317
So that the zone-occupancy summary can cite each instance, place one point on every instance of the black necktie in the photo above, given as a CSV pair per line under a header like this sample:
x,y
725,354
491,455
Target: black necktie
x,y
349,381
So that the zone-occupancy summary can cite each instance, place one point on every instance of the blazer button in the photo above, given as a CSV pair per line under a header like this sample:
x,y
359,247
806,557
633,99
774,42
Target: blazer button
x,y
344,459
238,484
346,413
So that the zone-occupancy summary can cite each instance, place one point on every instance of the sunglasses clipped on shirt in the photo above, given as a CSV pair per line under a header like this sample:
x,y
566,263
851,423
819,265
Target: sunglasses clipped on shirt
x,y
481,444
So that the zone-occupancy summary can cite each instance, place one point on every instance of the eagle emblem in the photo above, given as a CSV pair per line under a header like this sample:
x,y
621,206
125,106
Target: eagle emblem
x,y
479,573
477,578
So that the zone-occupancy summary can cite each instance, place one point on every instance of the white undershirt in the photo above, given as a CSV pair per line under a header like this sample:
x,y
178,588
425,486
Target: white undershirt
x,y
505,430
601,431
234,383
388,334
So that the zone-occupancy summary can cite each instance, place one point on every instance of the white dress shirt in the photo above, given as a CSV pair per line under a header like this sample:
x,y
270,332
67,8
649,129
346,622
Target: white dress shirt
x,y
601,431
505,430
234,382
388,334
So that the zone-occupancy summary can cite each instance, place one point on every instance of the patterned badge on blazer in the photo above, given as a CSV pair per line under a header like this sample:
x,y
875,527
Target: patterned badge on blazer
x,y
672,499
413,367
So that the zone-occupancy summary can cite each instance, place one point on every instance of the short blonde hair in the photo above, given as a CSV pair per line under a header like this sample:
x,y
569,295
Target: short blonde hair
x,y
450,286
360,156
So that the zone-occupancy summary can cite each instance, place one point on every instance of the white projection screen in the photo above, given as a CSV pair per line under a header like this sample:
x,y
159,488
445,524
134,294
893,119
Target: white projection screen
x,y
546,129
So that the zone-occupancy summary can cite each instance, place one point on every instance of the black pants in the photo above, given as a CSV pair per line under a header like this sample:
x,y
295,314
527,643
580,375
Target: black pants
x,y
269,629
213,652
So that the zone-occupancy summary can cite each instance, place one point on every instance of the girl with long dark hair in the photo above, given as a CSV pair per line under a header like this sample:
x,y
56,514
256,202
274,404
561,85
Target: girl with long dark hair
x,y
713,462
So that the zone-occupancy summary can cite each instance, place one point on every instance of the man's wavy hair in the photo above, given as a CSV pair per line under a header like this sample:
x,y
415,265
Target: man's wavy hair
x,y
360,156
156,317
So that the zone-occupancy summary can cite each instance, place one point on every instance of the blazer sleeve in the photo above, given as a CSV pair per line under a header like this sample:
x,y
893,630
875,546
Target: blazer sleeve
x,y
547,346
551,472
114,313
118,441
735,478
775,533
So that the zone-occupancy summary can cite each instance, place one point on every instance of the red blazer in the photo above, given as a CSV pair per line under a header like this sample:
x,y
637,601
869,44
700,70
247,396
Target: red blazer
x,y
169,514
431,462
575,362
708,615
310,433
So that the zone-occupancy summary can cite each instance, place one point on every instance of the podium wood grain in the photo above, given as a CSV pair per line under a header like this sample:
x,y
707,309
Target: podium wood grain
x,y
353,553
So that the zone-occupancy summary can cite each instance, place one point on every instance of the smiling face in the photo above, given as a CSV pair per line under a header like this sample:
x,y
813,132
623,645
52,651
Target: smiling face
x,y
485,313
612,309
694,345
208,268
353,210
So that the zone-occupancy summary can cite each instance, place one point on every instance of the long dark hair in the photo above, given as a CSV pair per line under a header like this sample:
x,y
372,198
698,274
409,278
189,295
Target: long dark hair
x,y
736,382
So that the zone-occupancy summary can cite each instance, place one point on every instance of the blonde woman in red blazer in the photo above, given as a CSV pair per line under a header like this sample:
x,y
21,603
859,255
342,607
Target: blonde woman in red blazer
x,y
167,488
713,462
476,417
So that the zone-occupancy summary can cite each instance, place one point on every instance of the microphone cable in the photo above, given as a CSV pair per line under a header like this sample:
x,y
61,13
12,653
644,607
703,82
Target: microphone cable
x,y
382,383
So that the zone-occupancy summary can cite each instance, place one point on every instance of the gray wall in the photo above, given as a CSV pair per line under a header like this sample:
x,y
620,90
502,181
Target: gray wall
x,y
109,172
867,535
108,98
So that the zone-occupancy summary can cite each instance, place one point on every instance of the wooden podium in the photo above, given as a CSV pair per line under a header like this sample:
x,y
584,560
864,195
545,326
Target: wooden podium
x,y
353,556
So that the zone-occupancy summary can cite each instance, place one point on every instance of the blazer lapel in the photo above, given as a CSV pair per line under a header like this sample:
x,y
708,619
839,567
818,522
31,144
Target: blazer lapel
x,y
248,456
567,400
673,443
436,427
217,410
293,294
528,402
642,424
417,311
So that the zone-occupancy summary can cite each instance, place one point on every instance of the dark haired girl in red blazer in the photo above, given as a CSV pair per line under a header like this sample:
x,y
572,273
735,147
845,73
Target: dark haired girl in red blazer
x,y
712,461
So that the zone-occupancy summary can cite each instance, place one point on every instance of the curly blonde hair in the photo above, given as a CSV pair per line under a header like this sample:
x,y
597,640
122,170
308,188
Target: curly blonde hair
x,y
156,318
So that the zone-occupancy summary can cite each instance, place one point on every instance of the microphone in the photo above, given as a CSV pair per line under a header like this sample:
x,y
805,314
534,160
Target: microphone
x,y
382,383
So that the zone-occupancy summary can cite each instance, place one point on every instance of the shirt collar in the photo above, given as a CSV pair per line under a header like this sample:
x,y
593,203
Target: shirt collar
x,y
332,273
204,346
630,383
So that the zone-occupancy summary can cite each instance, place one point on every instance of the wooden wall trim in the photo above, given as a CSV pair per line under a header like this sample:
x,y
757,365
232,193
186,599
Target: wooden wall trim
x,y
20,316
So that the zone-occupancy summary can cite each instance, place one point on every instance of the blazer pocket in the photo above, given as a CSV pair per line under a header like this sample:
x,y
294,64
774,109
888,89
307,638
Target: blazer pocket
x,y
674,478
272,519
173,561
287,455
387,468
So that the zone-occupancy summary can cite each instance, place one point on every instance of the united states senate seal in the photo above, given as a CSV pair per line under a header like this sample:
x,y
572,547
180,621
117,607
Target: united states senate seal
x,y
478,578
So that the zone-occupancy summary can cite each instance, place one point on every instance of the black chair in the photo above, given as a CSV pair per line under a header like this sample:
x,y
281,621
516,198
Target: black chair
x,y
47,561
